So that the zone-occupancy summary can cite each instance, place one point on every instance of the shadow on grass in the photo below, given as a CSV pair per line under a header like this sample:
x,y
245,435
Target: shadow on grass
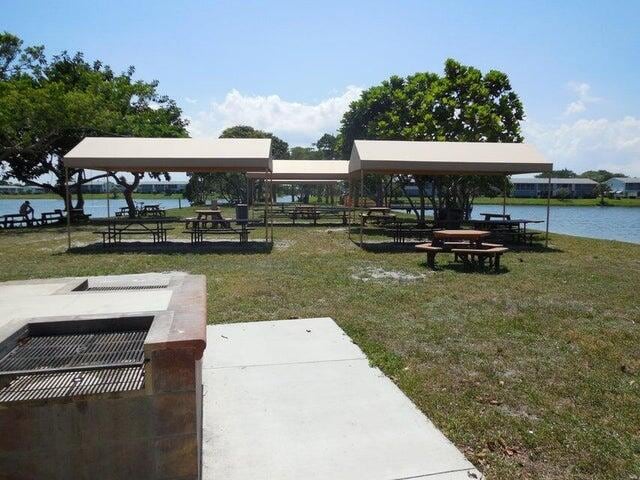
x,y
467,268
220,247
388,247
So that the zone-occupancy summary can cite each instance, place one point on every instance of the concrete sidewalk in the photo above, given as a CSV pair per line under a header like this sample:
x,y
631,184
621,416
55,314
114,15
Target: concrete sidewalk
x,y
296,399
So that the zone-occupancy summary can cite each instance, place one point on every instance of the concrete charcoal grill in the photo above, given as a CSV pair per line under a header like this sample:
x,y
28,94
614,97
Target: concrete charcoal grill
x,y
112,390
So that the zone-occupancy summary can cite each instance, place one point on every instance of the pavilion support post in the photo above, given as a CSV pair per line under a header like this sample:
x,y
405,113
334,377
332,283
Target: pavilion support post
x,y
271,198
265,199
350,206
504,196
546,235
360,198
68,201
108,201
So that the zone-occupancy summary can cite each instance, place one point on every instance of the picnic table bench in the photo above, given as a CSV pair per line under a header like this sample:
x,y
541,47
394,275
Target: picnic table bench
x,y
16,220
48,218
117,228
198,230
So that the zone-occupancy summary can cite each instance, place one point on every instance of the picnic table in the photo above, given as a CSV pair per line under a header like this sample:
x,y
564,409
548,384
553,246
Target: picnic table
x,y
306,212
489,216
15,220
208,219
469,236
466,245
212,222
151,211
507,228
378,215
119,227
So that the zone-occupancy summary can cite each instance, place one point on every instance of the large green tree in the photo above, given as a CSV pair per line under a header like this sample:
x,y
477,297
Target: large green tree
x,y
462,104
48,105
233,186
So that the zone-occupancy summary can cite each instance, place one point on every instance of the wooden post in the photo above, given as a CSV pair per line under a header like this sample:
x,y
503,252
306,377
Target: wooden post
x,y
504,196
546,237
68,198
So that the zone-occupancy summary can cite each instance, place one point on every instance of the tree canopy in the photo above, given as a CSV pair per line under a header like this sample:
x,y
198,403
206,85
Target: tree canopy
x,y
47,105
462,104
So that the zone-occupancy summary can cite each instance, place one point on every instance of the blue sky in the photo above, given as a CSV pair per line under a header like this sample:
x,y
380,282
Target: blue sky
x,y
292,67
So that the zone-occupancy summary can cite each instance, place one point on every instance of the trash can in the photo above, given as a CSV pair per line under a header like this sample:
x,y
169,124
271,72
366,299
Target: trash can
x,y
242,212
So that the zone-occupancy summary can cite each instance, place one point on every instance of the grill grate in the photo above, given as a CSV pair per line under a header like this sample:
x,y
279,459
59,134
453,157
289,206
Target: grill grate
x,y
65,384
122,288
61,365
48,352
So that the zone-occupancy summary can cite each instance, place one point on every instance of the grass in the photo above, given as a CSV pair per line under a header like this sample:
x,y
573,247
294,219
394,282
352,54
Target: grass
x,y
534,373
570,202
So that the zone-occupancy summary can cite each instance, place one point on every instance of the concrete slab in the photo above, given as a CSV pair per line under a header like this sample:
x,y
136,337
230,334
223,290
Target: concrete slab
x,y
278,342
316,411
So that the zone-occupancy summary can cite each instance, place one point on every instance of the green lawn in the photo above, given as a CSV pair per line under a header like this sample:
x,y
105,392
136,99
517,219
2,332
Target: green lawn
x,y
533,373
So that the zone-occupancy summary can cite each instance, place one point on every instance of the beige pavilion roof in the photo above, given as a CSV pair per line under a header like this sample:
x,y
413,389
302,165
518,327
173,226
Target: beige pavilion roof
x,y
442,158
307,170
171,154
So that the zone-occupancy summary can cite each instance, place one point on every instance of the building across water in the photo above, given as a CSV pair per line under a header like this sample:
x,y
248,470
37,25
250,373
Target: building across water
x,y
628,187
560,187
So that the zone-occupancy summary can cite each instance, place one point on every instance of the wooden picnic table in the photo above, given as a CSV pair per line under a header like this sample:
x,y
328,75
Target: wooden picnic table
x,y
378,215
119,227
516,227
489,216
151,211
467,246
208,218
471,236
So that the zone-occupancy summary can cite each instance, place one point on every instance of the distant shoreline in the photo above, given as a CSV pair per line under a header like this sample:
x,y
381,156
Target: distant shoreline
x,y
571,202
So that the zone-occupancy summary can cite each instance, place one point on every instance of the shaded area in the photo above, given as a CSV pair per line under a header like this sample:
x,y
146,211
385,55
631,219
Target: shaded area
x,y
185,247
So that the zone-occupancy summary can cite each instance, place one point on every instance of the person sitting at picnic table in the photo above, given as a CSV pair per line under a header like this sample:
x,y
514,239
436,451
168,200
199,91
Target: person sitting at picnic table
x,y
26,210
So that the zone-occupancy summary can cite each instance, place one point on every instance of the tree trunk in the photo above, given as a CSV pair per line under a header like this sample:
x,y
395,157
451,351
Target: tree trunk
x,y
128,197
79,196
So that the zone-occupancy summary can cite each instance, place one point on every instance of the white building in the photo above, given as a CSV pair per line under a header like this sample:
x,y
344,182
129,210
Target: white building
x,y
538,187
162,187
628,187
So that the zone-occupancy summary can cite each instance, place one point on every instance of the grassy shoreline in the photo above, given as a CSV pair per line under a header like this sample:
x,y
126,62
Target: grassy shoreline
x,y
572,202
533,373
89,196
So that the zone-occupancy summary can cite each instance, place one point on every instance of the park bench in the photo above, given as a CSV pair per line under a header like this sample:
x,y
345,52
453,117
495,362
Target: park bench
x,y
400,232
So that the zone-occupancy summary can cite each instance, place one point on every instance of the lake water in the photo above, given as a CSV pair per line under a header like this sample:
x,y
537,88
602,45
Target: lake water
x,y
609,223
95,207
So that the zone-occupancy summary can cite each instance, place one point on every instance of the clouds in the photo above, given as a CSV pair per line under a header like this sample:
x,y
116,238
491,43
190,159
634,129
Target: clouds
x,y
297,123
585,144
579,105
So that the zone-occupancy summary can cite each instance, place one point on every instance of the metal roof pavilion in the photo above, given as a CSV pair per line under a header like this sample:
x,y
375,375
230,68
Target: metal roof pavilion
x,y
446,158
307,170
171,154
